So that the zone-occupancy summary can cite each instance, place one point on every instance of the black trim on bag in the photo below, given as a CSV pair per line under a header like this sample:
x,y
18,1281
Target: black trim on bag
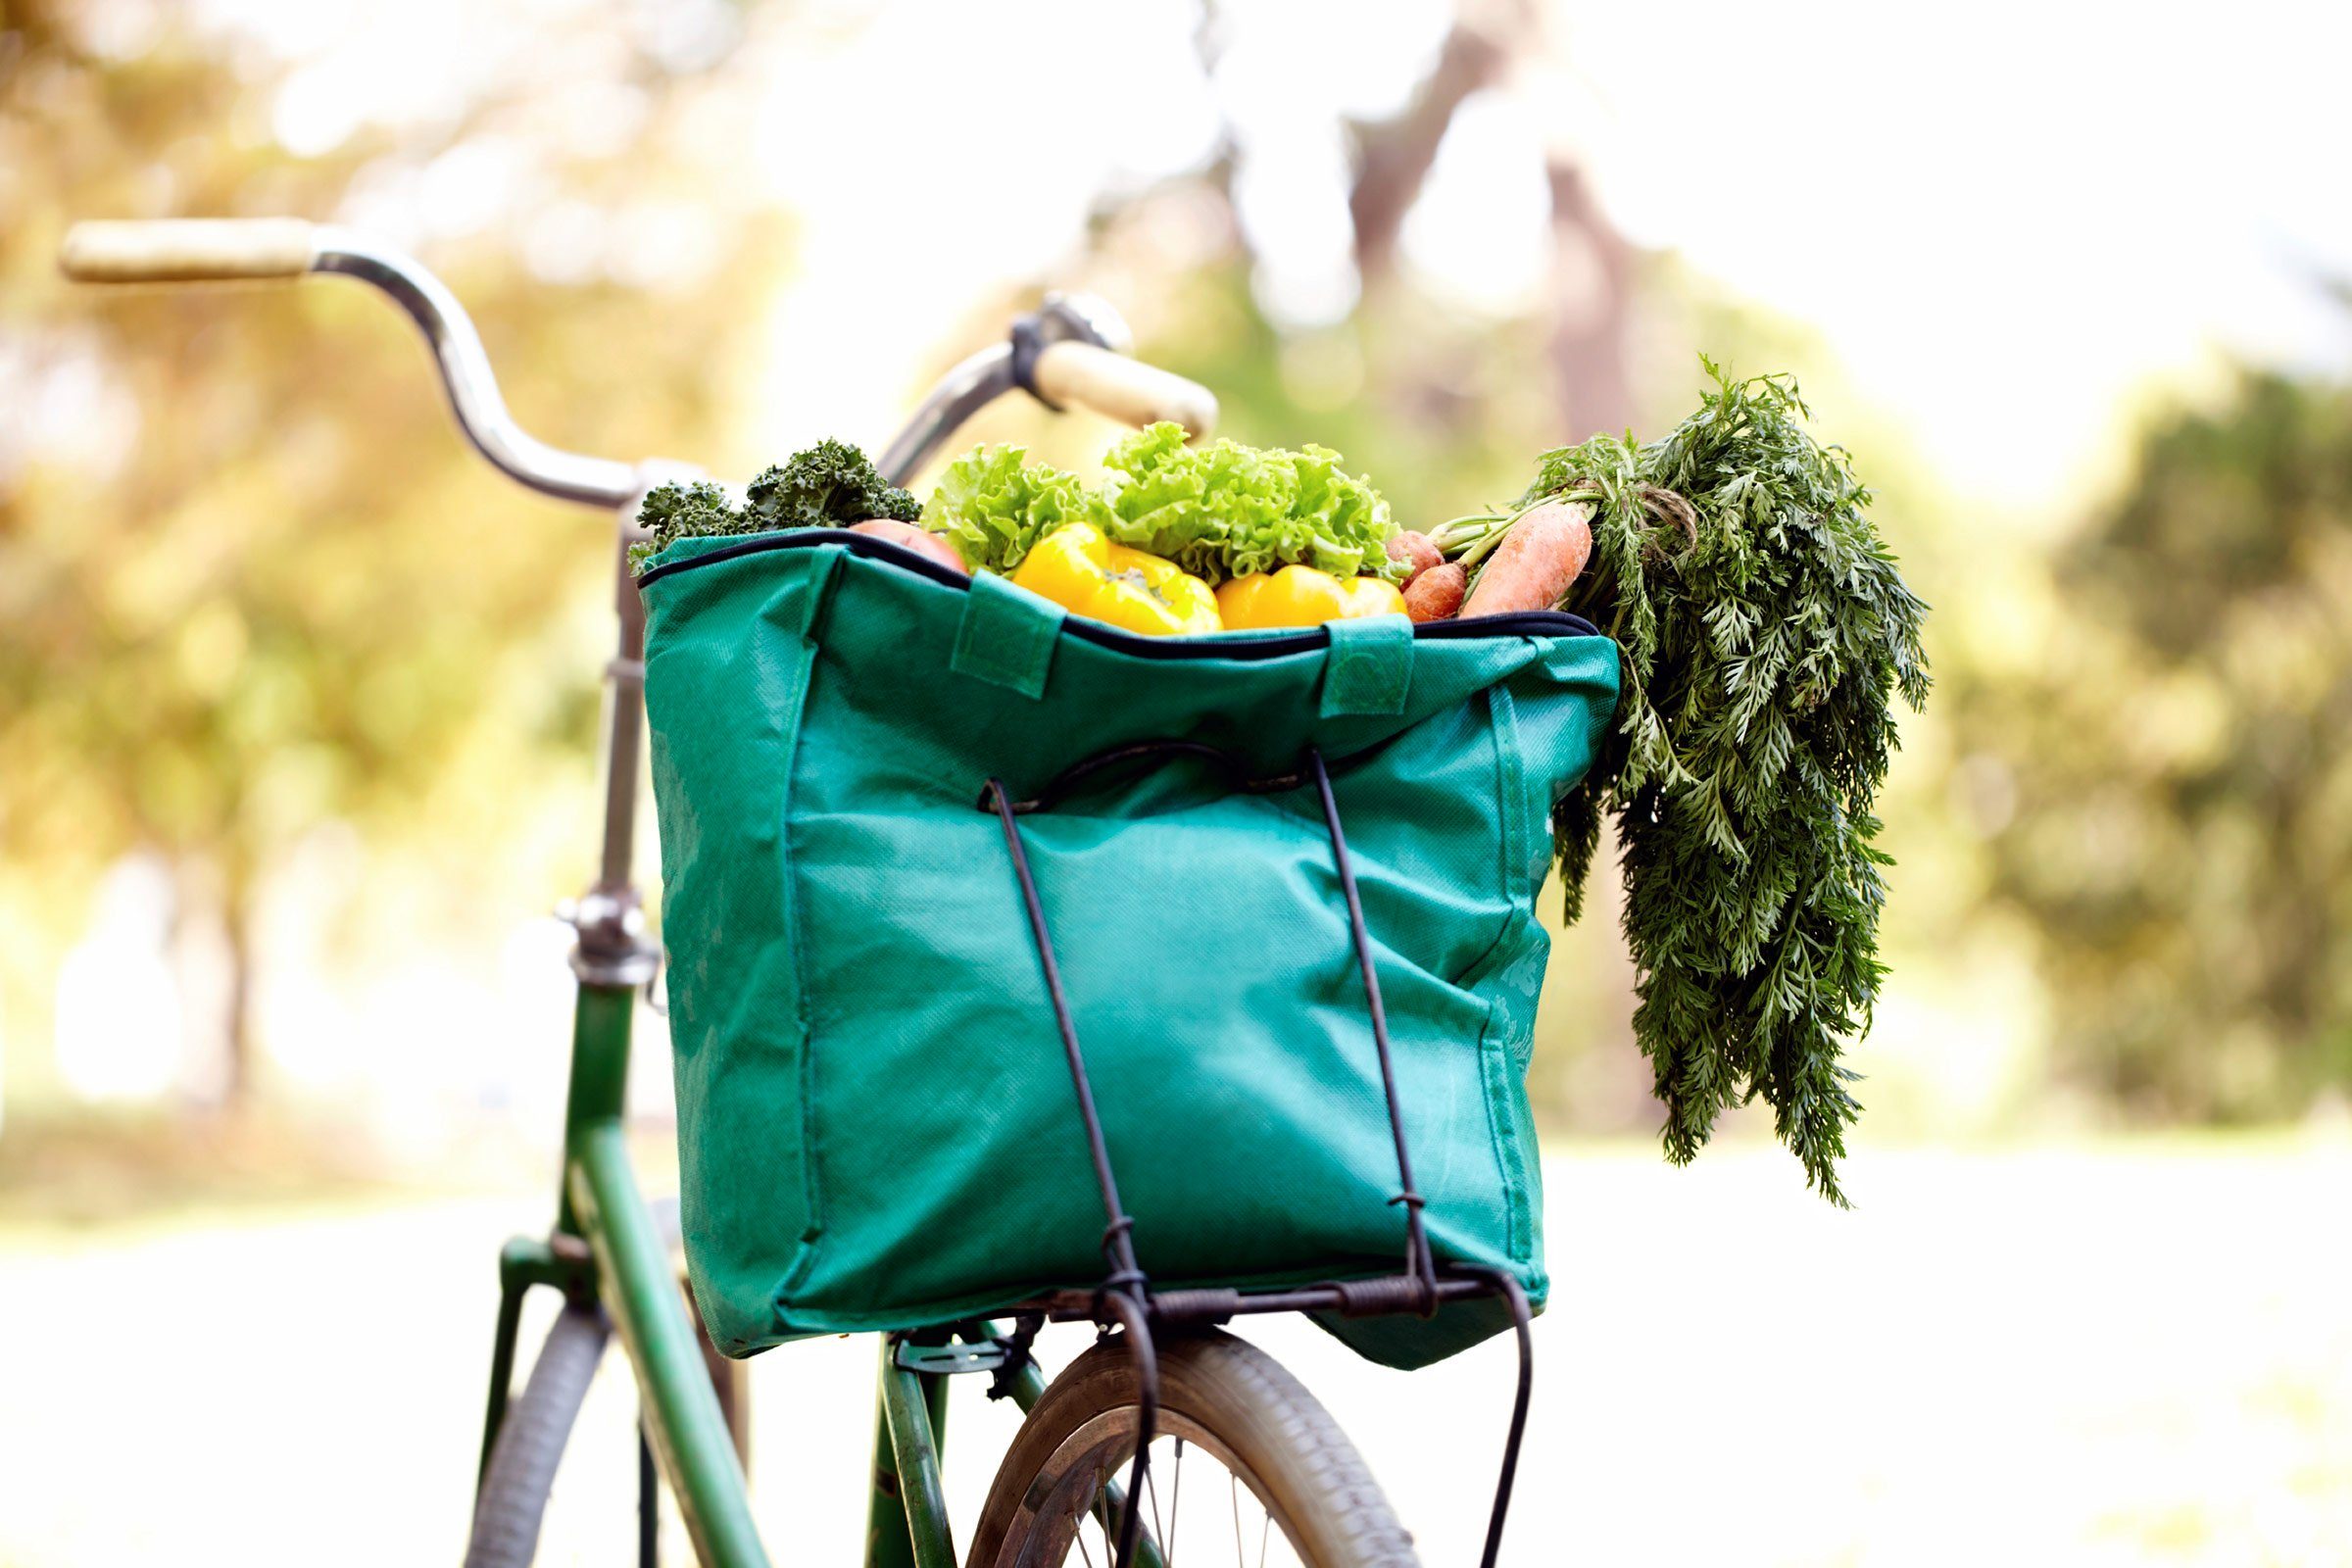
x,y
1520,623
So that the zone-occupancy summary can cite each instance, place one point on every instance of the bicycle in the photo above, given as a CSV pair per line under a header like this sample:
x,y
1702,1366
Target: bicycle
x,y
609,1254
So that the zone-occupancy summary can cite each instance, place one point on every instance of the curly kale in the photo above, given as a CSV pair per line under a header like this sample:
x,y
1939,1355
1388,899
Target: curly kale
x,y
1764,632
831,485
683,510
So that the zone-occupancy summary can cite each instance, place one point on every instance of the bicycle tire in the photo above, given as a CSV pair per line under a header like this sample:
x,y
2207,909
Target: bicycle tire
x,y
1216,1392
512,1503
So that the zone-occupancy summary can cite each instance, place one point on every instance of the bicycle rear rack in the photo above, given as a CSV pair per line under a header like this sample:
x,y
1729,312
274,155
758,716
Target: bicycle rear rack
x,y
1125,1299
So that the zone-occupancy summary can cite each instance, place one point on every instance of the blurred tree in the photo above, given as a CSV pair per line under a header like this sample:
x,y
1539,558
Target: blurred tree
x,y
1395,157
2170,786
250,580
1595,272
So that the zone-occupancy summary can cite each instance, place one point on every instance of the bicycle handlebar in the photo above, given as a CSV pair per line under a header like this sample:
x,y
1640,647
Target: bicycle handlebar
x,y
1074,359
188,250
207,249
1123,389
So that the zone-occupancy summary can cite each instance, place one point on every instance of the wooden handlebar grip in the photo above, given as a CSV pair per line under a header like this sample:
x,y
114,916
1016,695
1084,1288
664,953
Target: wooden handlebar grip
x,y
1124,389
187,250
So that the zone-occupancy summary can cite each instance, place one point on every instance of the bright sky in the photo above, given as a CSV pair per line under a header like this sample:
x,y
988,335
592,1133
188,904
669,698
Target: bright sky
x,y
2006,216
2007,220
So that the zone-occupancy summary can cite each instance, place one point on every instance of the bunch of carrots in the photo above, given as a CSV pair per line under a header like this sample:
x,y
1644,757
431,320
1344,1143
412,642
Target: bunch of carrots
x,y
1495,563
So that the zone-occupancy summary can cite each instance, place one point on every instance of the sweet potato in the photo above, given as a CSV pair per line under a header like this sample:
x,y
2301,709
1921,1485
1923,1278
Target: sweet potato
x,y
908,536
1536,561
1436,593
1417,548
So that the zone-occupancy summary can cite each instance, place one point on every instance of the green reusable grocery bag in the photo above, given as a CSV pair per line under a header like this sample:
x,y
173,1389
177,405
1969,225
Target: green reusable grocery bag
x,y
877,1124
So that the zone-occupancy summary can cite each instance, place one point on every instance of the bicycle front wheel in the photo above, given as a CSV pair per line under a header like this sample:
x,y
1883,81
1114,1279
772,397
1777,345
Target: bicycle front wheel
x,y
530,1442
1247,1468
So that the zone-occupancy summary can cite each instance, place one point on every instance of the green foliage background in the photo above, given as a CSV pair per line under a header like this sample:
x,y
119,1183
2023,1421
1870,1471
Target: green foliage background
x,y
2173,770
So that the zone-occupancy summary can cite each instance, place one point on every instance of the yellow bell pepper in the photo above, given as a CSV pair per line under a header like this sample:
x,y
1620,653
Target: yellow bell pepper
x,y
1084,573
1302,596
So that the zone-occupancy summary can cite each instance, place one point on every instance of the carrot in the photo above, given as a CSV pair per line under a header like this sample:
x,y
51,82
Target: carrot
x,y
1536,560
1436,593
1417,548
921,541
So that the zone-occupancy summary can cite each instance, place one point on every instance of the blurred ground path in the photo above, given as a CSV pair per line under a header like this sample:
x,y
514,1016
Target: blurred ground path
x,y
2127,1354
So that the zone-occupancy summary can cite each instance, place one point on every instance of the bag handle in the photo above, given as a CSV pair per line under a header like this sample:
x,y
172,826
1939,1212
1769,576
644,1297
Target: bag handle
x,y
1007,636
1369,668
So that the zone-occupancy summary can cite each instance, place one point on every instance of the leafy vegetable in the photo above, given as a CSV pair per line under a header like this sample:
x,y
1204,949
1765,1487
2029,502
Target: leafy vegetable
x,y
1220,512
1764,630
683,510
831,485
993,505
1226,510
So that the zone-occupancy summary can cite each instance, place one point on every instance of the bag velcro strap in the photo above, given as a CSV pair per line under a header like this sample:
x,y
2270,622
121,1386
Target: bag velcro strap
x,y
1007,636
1370,666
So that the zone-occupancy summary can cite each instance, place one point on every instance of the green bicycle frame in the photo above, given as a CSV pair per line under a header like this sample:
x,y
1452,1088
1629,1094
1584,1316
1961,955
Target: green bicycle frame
x,y
638,1285
606,1246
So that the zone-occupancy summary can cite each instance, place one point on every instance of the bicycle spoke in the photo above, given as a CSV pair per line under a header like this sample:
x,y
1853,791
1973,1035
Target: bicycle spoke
x,y
1175,1506
1098,1509
1151,1491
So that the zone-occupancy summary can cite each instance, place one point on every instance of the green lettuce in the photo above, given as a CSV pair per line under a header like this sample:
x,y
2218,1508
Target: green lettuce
x,y
994,504
1220,512
1226,510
